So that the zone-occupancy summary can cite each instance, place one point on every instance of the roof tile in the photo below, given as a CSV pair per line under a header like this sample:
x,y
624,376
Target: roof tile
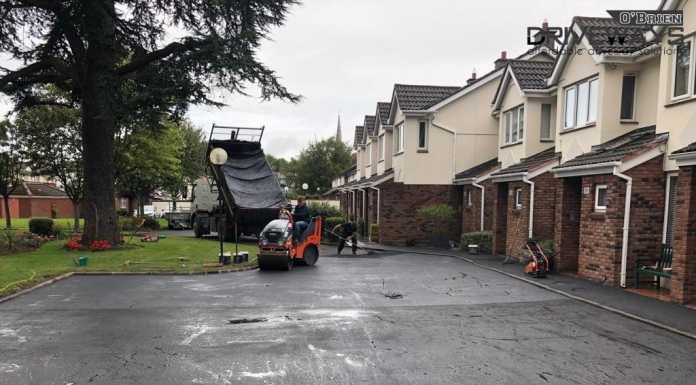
x,y
419,97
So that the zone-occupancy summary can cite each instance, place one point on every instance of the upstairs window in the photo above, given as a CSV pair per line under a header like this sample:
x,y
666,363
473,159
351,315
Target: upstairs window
x,y
514,125
628,97
581,104
381,147
546,130
422,135
399,138
682,69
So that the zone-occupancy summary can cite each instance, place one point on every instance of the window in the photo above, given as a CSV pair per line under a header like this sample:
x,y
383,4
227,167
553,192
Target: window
x,y
381,147
682,69
628,97
601,197
399,138
369,154
468,197
124,203
514,125
518,198
422,134
581,104
546,133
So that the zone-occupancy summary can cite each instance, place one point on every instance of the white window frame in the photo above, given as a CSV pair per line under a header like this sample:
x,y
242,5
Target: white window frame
x,y
468,198
399,138
635,96
541,125
382,146
425,133
579,122
518,198
690,76
123,203
513,125
597,206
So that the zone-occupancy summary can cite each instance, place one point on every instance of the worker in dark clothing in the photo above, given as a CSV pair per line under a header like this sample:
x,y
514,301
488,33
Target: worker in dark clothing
x,y
301,218
346,231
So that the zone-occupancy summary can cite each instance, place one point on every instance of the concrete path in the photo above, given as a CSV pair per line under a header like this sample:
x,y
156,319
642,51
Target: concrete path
x,y
449,322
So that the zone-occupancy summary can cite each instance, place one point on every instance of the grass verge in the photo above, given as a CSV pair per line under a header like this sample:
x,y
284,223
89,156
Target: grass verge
x,y
172,254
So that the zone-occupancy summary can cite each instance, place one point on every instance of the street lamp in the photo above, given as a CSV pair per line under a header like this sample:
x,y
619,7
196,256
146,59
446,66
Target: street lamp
x,y
305,186
218,157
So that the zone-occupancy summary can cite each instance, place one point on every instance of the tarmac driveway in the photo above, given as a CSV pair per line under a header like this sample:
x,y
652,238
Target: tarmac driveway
x,y
385,319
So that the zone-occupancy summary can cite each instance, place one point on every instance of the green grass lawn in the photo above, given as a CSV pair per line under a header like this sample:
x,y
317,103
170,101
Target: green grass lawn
x,y
21,270
65,223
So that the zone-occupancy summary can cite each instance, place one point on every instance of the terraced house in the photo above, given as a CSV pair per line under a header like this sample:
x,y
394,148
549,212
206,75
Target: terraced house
x,y
592,149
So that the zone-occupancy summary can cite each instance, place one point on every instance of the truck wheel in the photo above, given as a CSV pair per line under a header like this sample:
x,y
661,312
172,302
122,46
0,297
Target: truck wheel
x,y
197,228
310,256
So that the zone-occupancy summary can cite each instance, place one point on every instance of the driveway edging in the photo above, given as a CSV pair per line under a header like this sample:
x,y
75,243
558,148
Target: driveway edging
x,y
119,273
551,289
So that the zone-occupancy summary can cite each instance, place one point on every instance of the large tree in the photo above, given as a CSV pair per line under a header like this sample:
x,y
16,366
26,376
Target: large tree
x,y
126,60
192,160
11,167
50,141
319,164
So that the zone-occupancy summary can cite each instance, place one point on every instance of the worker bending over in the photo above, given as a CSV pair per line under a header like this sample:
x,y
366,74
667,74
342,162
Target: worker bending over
x,y
346,231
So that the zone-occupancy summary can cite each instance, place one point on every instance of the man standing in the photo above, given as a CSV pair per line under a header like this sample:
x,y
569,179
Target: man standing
x,y
346,231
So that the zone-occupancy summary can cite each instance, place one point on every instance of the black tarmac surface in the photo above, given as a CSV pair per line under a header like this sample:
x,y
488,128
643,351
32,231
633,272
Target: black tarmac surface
x,y
334,323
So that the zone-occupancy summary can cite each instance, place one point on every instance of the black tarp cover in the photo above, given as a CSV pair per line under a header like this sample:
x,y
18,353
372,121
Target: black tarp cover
x,y
249,178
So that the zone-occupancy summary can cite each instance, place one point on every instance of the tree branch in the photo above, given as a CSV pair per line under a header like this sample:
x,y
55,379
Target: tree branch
x,y
59,66
170,49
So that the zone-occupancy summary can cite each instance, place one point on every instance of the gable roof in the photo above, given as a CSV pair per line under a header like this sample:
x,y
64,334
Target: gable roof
x,y
382,113
478,170
358,138
411,97
36,189
529,75
530,163
369,127
494,74
617,149
601,33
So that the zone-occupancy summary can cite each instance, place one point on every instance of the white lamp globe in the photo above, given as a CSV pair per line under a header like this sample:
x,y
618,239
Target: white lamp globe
x,y
305,186
218,156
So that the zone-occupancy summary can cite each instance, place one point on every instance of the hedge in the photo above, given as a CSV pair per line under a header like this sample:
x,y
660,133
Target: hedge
x,y
41,226
484,240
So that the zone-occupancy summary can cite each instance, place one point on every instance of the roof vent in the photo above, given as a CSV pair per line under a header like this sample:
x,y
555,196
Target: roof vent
x,y
472,79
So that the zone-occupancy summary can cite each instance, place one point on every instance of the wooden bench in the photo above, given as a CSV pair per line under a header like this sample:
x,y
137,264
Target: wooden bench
x,y
660,268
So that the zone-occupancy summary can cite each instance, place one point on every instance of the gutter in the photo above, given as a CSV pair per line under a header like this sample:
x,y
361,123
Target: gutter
x,y
531,205
626,223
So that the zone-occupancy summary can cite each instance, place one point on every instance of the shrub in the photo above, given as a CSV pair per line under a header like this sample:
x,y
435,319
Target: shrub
x,y
441,215
323,210
547,246
41,226
122,212
374,232
73,244
126,223
100,245
150,223
484,240
60,231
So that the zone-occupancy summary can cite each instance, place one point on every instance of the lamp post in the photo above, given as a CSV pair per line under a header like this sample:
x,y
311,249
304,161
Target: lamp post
x,y
218,157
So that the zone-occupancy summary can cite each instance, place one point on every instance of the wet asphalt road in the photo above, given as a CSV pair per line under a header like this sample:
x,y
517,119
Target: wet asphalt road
x,y
331,324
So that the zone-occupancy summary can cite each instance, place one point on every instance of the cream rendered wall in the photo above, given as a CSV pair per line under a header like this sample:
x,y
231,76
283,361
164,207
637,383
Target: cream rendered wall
x,y
436,164
398,159
386,163
532,130
511,153
679,120
611,83
360,164
375,155
476,129
574,143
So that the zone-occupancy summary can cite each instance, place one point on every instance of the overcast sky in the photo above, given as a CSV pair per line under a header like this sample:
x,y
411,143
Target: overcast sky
x,y
343,56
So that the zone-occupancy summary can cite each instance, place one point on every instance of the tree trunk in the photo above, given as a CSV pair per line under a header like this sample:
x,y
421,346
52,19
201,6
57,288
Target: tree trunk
x,y
76,216
174,203
8,220
98,85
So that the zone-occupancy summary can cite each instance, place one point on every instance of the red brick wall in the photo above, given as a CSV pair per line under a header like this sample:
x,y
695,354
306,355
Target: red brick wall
x,y
14,208
567,233
399,203
601,234
683,289
37,207
517,226
500,218
471,215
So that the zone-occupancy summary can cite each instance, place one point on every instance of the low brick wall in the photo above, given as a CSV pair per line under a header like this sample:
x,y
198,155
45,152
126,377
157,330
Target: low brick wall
x,y
399,203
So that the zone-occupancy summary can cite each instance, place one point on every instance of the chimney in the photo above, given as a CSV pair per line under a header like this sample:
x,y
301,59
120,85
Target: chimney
x,y
502,61
473,78
548,36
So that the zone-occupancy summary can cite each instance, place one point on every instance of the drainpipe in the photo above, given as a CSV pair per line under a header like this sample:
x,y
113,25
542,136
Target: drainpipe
x,y
353,213
531,206
483,202
626,223
379,193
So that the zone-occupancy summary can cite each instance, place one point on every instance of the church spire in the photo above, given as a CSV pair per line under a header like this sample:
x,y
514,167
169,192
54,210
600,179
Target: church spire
x,y
338,129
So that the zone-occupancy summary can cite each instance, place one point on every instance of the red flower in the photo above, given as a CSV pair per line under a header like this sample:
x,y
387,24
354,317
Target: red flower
x,y
73,245
100,245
